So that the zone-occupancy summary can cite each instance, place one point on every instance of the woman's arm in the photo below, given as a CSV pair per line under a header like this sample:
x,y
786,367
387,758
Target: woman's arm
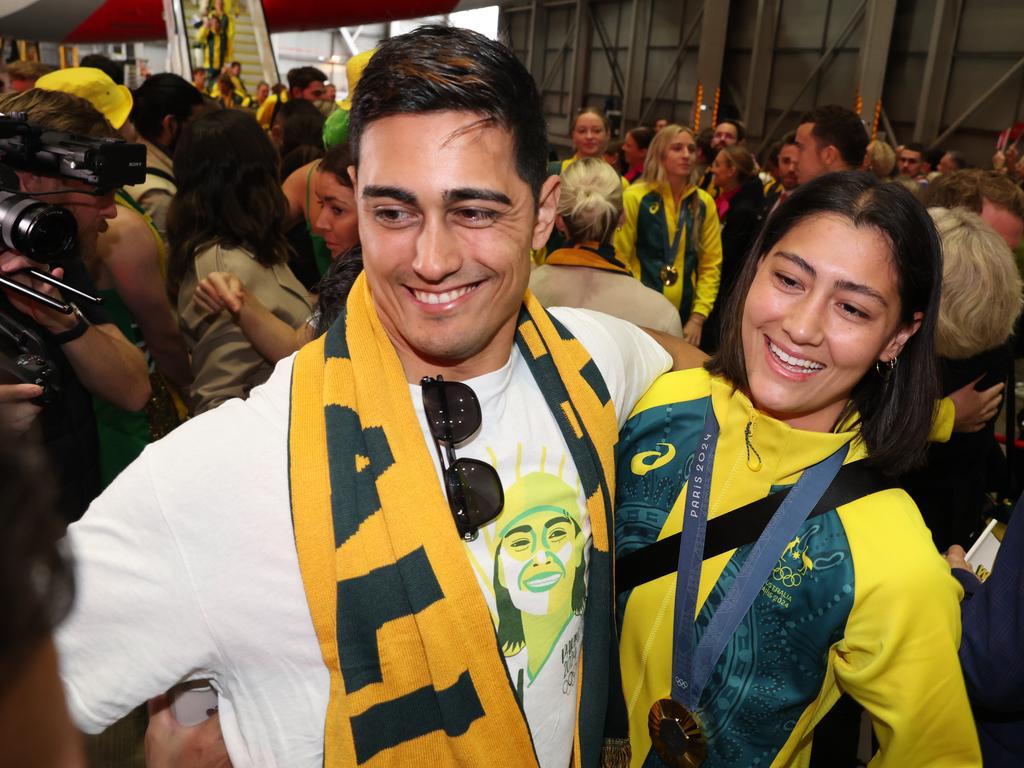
x,y
709,258
273,338
625,236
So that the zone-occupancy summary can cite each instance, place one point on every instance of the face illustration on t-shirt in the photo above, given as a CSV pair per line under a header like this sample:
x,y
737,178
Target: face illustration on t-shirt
x,y
535,554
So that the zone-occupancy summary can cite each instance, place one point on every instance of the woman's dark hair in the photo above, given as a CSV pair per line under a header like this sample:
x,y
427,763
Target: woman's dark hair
x,y
304,154
301,123
229,192
336,162
334,288
159,96
642,135
895,411
36,582
439,69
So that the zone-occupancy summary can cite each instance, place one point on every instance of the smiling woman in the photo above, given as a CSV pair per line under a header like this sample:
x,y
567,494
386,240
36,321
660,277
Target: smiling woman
x,y
827,359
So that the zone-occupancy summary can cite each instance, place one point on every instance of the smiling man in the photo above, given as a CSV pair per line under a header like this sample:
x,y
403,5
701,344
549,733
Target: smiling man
x,y
335,553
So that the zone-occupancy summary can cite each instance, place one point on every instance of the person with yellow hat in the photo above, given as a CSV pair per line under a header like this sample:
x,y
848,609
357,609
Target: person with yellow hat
x,y
95,86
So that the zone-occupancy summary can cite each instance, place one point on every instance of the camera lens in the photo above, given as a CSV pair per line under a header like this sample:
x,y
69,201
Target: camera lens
x,y
40,231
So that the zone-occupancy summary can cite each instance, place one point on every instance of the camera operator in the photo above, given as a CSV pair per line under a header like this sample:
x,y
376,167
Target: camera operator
x,y
91,356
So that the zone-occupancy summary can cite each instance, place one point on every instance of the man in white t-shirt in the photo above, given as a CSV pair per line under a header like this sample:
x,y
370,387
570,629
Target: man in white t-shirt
x,y
187,564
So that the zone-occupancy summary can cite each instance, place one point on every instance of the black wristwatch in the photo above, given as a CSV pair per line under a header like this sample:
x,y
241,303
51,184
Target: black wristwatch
x,y
76,331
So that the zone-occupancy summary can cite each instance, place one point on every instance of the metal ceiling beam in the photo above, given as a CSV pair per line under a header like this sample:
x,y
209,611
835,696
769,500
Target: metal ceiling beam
x,y
581,59
980,100
761,57
673,70
636,62
874,57
941,42
710,54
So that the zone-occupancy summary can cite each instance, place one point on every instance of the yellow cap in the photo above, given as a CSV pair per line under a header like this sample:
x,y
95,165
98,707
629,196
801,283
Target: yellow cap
x,y
96,87
353,71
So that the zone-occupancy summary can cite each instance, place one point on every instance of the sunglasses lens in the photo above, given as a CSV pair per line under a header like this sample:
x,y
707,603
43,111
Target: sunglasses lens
x,y
480,487
453,412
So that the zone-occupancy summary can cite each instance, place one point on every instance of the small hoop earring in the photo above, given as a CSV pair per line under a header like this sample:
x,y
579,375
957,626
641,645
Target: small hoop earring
x,y
885,368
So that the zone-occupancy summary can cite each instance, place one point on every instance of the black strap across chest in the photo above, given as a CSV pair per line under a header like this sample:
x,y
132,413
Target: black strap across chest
x,y
742,526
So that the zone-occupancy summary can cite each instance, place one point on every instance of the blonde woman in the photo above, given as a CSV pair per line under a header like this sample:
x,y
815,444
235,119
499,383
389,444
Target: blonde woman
x,y
585,273
981,299
670,237
880,159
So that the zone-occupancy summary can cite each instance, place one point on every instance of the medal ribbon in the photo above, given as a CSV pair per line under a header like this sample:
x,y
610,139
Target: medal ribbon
x,y
673,247
692,667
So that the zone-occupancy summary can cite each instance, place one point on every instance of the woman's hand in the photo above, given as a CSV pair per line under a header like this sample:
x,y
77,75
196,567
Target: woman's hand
x,y
218,291
957,558
973,409
693,329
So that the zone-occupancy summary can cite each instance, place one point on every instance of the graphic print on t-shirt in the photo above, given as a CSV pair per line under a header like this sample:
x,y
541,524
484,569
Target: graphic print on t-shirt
x,y
534,561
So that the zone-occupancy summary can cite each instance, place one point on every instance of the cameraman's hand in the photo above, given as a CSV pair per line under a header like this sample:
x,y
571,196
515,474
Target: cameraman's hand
x,y
51,320
17,411
218,291
172,745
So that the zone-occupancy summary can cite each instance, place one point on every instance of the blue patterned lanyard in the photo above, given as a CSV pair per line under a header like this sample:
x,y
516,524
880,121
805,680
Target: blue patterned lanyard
x,y
692,667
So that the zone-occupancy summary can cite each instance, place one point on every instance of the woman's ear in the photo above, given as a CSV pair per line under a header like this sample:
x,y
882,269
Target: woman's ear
x,y
901,337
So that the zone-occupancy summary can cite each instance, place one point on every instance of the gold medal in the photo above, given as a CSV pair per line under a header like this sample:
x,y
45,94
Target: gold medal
x,y
669,275
676,735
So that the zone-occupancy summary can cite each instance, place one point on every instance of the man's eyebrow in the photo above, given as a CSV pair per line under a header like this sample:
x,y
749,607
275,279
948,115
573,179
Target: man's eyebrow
x,y
395,193
474,193
842,285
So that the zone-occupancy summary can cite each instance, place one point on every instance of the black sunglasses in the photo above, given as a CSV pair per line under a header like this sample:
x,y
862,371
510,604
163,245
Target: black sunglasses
x,y
473,487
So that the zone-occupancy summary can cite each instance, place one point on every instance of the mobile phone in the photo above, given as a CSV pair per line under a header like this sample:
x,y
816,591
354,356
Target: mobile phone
x,y
193,702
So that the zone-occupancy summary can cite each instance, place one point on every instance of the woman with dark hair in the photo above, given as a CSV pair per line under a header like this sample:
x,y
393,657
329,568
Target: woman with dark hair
x,y
812,578
739,204
336,223
228,216
634,150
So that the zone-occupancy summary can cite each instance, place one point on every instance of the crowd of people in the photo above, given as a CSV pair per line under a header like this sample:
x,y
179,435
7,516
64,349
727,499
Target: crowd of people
x,y
424,446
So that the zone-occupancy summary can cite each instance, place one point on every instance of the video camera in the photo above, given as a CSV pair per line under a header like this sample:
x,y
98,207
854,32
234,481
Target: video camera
x,y
47,232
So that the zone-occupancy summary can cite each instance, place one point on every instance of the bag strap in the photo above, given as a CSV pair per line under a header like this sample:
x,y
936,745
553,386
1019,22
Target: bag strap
x,y
161,173
743,526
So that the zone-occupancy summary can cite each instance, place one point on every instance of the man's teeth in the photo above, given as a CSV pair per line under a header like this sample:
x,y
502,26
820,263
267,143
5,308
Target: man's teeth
x,y
808,365
442,298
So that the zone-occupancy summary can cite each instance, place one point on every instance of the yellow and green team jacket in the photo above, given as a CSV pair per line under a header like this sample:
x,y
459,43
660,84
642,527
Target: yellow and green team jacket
x,y
640,243
859,601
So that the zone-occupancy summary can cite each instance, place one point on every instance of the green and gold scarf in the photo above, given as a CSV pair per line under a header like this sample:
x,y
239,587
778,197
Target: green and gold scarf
x,y
416,677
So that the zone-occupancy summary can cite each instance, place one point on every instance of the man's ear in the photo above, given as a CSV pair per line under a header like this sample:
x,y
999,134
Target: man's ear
x,y
546,207
169,128
352,175
830,156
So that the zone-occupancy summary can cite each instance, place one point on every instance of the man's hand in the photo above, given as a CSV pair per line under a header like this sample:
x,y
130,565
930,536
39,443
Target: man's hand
x,y
17,411
693,329
51,320
172,745
973,409
957,558
218,291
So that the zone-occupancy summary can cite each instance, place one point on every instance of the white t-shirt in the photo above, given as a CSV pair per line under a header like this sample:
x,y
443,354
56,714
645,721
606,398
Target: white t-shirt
x,y
187,569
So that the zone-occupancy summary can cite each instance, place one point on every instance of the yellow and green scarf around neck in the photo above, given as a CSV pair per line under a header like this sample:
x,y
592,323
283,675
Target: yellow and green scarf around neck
x,y
416,677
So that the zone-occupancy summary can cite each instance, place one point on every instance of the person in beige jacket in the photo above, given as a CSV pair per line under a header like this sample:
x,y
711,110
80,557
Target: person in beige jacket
x,y
228,215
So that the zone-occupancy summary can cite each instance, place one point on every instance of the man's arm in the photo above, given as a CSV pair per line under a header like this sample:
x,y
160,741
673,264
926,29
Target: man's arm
x,y
17,411
684,355
130,254
104,361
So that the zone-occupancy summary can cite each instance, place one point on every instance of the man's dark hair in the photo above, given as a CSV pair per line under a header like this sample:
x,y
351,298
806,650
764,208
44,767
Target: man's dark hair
x,y
105,64
236,64
439,69
229,192
159,96
894,413
703,142
741,129
958,159
301,77
839,127
916,146
933,156
301,123
789,140
971,187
